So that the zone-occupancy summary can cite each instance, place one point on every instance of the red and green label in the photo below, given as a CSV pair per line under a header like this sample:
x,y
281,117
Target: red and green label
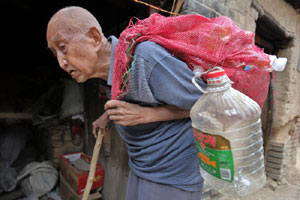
x,y
214,155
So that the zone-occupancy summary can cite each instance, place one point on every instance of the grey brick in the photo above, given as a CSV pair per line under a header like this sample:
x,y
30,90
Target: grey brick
x,y
207,12
220,8
239,19
185,12
214,14
210,2
207,2
276,154
200,1
186,5
278,149
293,153
275,160
254,13
277,144
274,165
199,8
231,14
238,5
274,176
273,184
274,171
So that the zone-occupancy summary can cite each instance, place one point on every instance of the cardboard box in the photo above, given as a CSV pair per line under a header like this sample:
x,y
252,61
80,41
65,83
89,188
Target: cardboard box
x,y
75,169
67,192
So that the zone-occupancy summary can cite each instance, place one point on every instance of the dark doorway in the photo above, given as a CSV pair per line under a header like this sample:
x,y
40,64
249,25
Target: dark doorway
x,y
30,68
272,37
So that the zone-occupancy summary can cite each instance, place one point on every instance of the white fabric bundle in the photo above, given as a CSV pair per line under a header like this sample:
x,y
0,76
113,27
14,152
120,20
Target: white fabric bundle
x,y
38,178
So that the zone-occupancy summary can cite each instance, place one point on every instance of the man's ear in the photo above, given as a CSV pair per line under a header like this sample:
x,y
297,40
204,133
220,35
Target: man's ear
x,y
96,36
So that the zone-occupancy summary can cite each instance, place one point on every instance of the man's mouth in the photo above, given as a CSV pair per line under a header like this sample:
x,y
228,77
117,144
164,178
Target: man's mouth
x,y
72,72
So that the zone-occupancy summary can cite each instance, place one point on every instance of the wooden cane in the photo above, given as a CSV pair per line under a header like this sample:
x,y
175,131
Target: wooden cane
x,y
91,176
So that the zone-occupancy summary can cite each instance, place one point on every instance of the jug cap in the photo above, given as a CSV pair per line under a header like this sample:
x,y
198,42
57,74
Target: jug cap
x,y
215,74
217,80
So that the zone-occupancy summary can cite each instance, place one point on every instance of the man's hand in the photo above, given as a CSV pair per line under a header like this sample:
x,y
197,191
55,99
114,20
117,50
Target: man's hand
x,y
101,123
128,114
125,114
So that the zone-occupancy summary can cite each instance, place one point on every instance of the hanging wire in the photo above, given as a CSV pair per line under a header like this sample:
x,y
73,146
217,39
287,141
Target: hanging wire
x,y
155,7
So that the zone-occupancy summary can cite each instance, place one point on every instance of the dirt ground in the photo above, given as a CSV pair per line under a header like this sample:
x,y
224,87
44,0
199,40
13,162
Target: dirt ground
x,y
287,189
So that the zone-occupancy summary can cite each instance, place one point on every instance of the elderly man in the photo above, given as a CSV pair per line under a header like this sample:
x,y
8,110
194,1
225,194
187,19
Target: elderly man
x,y
152,119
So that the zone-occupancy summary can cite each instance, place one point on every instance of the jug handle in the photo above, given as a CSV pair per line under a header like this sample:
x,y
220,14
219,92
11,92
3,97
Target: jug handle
x,y
196,84
199,75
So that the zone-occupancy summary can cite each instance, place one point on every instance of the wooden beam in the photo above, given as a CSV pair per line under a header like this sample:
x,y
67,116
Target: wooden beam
x,y
11,115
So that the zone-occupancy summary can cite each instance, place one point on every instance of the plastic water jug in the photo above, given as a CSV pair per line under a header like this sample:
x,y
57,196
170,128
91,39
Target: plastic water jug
x,y
228,137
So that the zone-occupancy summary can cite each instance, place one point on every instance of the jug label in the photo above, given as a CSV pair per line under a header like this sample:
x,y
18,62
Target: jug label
x,y
214,154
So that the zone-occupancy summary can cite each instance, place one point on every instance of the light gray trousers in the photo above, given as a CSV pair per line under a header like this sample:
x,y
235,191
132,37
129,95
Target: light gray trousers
x,y
141,189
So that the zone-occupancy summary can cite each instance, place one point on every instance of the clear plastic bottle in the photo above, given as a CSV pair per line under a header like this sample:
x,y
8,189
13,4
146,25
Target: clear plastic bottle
x,y
228,137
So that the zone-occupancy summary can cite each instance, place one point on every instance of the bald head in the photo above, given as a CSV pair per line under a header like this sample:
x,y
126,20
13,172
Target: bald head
x,y
76,39
72,20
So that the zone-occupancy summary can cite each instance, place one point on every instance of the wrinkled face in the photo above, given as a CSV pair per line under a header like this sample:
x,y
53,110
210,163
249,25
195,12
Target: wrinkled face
x,y
75,52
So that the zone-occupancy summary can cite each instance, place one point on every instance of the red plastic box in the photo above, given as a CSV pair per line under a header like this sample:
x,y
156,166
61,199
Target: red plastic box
x,y
77,178
67,192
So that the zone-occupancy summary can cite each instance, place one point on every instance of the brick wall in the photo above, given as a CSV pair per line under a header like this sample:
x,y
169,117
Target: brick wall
x,y
293,142
240,11
276,159
280,155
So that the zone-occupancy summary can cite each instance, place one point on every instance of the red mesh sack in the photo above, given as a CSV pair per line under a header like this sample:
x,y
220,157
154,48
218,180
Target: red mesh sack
x,y
200,42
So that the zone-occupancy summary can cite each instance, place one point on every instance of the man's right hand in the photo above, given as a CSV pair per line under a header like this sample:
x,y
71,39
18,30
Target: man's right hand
x,y
102,123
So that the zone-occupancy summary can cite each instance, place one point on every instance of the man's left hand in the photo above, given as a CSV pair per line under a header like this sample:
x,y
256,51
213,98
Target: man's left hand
x,y
125,114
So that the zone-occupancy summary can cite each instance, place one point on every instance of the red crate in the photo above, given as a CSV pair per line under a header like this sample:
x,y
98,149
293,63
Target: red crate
x,y
77,178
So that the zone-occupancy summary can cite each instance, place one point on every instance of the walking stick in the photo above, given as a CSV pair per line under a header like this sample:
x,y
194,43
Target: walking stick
x,y
91,176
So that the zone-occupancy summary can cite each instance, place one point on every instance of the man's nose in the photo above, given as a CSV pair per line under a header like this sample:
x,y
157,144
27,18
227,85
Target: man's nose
x,y
63,63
